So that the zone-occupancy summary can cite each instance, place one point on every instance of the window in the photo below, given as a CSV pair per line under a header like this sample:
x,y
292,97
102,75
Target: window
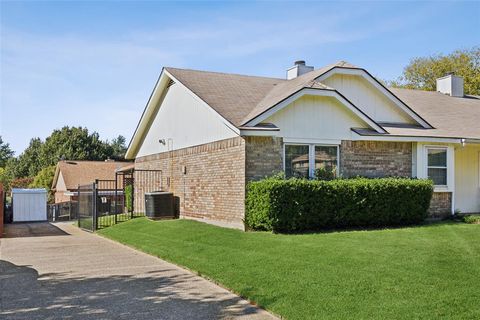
x,y
326,158
437,165
301,161
297,161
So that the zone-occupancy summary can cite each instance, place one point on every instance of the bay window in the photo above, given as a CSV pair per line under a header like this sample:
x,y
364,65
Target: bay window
x,y
301,160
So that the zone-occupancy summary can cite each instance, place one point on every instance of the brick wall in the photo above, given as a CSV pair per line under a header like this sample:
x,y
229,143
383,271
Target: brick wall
x,y
213,187
441,205
263,157
375,159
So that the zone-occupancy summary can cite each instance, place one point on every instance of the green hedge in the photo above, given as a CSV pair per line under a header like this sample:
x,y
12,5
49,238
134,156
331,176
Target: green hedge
x,y
297,205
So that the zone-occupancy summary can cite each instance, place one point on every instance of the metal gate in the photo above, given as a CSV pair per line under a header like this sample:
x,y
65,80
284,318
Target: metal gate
x,y
104,203
87,195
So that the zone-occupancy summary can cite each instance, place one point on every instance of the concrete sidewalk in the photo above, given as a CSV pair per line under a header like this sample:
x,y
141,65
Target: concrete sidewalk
x,y
60,272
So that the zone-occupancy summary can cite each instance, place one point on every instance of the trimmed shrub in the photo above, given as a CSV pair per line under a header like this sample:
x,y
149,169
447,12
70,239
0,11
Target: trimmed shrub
x,y
297,204
473,219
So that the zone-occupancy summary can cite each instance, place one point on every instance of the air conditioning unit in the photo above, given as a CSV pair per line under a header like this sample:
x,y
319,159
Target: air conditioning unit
x,y
160,205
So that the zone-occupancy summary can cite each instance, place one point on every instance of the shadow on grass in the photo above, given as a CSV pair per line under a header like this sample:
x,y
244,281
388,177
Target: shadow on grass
x,y
24,295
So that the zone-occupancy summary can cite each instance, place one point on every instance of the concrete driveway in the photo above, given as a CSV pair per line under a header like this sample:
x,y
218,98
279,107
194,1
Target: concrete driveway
x,y
56,271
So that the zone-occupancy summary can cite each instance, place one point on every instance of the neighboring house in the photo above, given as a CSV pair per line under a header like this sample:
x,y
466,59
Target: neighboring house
x,y
70,174
211,133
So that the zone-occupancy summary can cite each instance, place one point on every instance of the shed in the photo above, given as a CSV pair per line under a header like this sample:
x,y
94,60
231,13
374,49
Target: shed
x,y
29,205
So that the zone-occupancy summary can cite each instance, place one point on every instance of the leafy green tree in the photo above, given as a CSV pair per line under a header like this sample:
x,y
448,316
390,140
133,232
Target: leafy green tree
x,y
5,152
69,143
73,143
29,163
44,179
9,173
119,147
422,72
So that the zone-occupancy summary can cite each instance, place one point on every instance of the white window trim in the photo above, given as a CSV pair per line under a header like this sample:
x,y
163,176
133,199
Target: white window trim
x,y
426,166
311,155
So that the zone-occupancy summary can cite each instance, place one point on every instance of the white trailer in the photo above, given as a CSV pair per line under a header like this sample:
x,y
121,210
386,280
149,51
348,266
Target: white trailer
x,y
29,205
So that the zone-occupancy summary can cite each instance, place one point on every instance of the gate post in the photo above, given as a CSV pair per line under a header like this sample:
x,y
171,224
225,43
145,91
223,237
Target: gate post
x,y
94,204
78,206
115,196
132,197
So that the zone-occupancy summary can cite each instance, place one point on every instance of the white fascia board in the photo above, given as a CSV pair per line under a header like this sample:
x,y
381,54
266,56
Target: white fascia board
x,y
381,88
146,119
260,133
225,121
317,92
333,142
388,137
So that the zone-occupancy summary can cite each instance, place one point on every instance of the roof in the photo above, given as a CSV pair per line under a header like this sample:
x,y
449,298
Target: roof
x,y
450,116
233,96
76,173
29,191
240,99
287,88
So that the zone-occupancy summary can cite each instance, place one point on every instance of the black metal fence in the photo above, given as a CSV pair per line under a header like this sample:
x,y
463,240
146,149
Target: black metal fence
x,y
108,202
62,211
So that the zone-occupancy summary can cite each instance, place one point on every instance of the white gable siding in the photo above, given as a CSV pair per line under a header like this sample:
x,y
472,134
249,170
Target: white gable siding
x,y
316,118
366,97
60,183
183,121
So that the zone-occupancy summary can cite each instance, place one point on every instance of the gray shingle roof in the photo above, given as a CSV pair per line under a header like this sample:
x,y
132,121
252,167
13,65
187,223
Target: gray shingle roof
x,y
232,96
241,98
450,116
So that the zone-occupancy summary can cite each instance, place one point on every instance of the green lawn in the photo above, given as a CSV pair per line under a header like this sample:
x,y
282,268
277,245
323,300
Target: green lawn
x,y
426,272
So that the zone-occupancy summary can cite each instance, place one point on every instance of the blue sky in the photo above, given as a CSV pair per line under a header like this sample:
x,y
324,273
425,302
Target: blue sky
x,y
94,64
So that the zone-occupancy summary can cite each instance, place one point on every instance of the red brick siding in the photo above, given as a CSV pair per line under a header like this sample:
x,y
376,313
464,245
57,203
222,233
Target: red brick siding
x,y
214,184
375,159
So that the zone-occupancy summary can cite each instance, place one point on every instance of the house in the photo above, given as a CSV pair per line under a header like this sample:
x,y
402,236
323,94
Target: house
x,y
70,174
211,133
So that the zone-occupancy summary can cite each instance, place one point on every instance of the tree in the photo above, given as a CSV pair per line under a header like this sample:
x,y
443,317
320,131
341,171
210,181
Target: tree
x,y
119,147
21,182
9,173
422,72
44,179
5,153
29,163
73,143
